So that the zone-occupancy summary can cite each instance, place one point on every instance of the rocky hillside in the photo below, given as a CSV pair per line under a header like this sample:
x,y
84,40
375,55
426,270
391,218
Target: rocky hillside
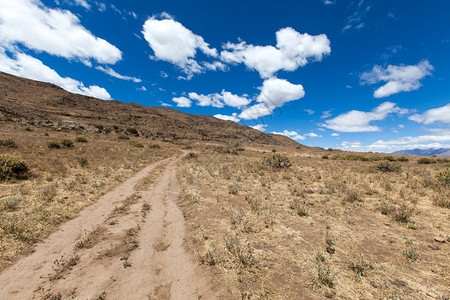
x,y
36,103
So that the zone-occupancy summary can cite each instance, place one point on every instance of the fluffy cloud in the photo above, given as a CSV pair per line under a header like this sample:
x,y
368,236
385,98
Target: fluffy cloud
x,y
233,117
260,127
293,50
113,73
220,100
57,32
335,134
206,100
312,135
182,101
29,67
214,66
399,78
274,93
290,134
440,114
441,140
359,121
174,43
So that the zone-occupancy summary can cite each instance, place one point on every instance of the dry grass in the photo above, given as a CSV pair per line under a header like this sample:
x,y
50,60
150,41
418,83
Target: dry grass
x,y
61,181
261,229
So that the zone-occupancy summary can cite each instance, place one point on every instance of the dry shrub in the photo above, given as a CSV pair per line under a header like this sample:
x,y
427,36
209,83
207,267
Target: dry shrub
x,y
53,145
387,166
8,143
444,177
426,161
81,139
12,167
136,144
275,161
67,143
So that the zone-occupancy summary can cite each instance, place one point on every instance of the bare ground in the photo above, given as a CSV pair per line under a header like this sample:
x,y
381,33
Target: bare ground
x,y
128,245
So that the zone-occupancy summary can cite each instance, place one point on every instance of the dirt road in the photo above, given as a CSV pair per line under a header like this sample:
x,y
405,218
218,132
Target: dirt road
x,y
128,245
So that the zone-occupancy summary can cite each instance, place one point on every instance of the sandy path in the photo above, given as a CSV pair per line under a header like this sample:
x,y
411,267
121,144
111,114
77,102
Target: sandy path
x,y
128,245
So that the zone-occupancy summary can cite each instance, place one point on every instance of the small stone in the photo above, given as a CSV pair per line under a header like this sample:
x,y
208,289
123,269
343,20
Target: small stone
x,y
387,224
328,227
330,250
439,239
433,247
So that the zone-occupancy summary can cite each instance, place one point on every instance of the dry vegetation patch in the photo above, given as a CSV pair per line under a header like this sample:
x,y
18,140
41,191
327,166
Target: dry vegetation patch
x,y
319,228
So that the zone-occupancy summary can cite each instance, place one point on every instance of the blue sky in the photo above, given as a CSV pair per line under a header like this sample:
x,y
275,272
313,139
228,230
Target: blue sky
x,y
357,75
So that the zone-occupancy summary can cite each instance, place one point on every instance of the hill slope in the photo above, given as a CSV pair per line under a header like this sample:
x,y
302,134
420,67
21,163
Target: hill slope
x,y
43,104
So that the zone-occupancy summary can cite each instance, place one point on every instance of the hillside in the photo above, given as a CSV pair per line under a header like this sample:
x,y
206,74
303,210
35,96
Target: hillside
x,y
425,152
43,104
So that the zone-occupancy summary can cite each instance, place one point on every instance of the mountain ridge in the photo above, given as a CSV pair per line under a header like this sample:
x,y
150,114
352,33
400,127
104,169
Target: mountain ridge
x,y
425,152
39,103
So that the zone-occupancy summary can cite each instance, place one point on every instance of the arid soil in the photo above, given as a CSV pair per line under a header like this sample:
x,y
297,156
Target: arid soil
x,y
128,245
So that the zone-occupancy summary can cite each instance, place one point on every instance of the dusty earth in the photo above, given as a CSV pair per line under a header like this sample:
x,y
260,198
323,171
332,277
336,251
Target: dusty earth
x,y
128,245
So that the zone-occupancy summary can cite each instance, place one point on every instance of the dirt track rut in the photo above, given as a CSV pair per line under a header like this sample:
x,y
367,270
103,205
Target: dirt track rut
x,y
128,245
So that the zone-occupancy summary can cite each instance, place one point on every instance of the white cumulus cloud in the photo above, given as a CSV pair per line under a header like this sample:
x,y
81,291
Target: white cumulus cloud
x,y
440,114
182,101
290,134
274,93
29,67
359,121
398,78
260,127
233,117
174,43
441,140
220,99
113,73
57,32
293,50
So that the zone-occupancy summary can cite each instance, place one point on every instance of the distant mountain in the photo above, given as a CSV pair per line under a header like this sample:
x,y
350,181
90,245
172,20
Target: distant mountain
x,y
425,152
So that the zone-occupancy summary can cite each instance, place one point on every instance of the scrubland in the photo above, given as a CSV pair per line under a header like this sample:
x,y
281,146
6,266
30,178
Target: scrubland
x,y
284,223
322,224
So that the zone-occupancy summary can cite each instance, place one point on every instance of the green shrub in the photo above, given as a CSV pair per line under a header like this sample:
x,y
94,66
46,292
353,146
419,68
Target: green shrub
x,y
82,162
12,167
133,131
324,156
8,143
426,161
387,166
81,139
53,145
154,146
123,137
389,158
403,159
403,213
444,177
67,143
275,161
